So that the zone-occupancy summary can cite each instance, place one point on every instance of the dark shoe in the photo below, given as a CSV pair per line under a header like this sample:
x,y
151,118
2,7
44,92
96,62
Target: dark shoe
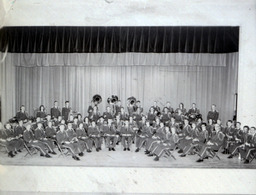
x,y
47,156
89,150
146,151
113,149
81,154
180,151
19,151
230,156
15,152
206,157
156,158
182,155
109,149
200,160
10,154
41,154
97,149
246,161
75,157
150,154
54,153
124,149
128,149
137,150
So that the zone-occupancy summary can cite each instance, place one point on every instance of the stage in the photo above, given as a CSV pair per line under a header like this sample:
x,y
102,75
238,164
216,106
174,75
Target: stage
x,y
120,158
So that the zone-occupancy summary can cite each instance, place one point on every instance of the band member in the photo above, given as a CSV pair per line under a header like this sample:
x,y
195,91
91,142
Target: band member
x,y
64,141
66,111
138,106
91,108
70,119
179,117
185,136
168,106
95,115
75,123
86,124
41,137
131,105
212,145
22,114
50,131
79,119
156,108
83,137
109,132
193,113
41,112
123,115
145,133
213,114
48,119
199,123
229,133
30,141
8,139
173,123
183,110
137,116
55,111
169,142
19,129
151,115
118,108
241,137
95,135
210,128
72,137
57,123
127,134
107,115
165,117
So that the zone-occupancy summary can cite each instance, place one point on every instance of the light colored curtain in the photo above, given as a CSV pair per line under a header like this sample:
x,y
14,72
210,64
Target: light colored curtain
x,y
204,85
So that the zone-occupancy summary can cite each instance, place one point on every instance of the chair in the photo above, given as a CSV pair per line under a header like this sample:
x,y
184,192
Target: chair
x,y
30,150
168,153
215,154
253,156
5,148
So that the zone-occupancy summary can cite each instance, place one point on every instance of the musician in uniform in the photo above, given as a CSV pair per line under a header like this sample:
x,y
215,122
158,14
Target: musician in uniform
x,y
185,136
151,116
182,109
50,131
213,144
30,141
127,134
55,111
95,115
165,117
110,134
123,115
82,135
138,106
145,132
48,119
19,129
193,113
213,114
64,142
41,112
156,108
95,135
210,128
41,137
107,115
229,133
66,111
22,114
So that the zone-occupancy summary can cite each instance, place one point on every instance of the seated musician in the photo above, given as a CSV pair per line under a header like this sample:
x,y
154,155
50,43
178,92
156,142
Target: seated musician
x,y
72,137
70,119
22,114
199,123
137,116
199,138
213,145
151,115
170,109
58,121
213,114
110,134
156,124
118,108
7,138
168,143
19,130
127,135
95,135
152,141
48,119
185,136
66,111
173,123
182,109
82,135
55,111
75,123
138,106
165,117
210,128
123,115
249,148
41,112
64,142
41,137
193,113
86,124
50,131
95,115
156,108
229,136
108,114
179,117
79,119
30,141
145,132
241,136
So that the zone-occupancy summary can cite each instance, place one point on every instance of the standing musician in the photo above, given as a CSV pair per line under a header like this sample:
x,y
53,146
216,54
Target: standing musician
x,y
83,137
64,142
41,112
151,115
118,108
30,141
41,137
110,134
213,144
108,114
95,115
7,138
22,114
131,105
127,135
138,106
213,114
210,128
95,135
91,109
66,111
123,115
55,111
145,132
193,113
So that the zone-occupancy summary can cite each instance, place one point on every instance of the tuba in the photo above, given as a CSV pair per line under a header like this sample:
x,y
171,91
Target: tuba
x,y
96,99
131,100
113,99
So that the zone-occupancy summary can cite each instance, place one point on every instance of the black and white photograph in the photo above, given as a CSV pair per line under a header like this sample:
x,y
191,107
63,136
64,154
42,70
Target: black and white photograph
x,y
127,97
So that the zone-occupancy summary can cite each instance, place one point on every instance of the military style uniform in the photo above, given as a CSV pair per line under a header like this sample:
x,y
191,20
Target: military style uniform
x,y
55,112
95,136
109,132
145,133
21,116
8,139
127,134
83,136
214,115
40,136
66,112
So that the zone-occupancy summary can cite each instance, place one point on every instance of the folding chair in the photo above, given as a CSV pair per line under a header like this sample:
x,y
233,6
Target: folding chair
x,y
215,154
168,153
5,148
30,150
253,156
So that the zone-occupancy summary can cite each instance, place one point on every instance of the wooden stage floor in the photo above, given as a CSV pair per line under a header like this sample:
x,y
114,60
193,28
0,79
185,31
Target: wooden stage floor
x,y
121,158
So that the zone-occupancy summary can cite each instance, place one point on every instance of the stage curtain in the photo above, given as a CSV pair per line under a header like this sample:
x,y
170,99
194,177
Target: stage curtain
x,y
204,85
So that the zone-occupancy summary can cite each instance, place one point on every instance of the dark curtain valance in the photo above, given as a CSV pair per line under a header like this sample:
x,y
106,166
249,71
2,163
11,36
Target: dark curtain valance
x,y
119,39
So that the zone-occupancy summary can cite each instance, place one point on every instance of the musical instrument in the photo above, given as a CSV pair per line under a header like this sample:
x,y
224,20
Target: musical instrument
x,y
96,99
131,100
113,99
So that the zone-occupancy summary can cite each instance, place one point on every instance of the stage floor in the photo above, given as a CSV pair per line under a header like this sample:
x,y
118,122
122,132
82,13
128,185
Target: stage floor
x,y
120,158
